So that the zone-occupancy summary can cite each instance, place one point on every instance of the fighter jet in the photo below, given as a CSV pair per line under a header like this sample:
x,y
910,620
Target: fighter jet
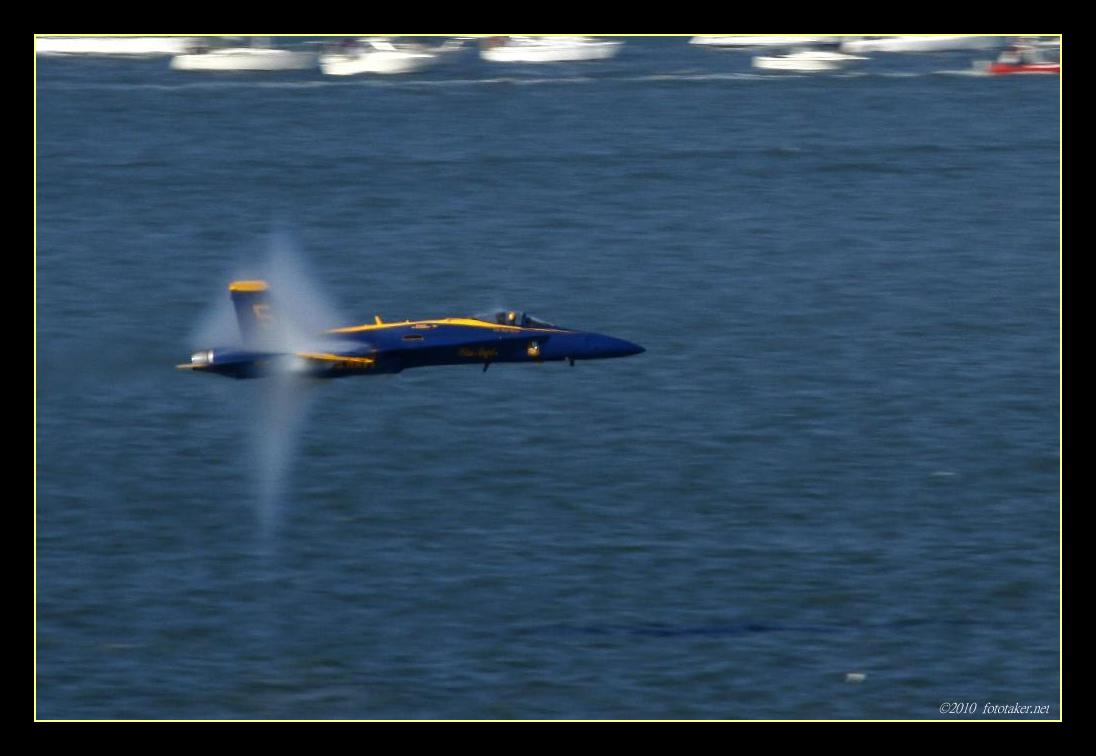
x,y
390,347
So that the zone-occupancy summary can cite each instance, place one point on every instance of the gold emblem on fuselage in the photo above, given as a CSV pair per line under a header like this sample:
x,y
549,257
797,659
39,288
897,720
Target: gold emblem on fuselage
x,y
482,353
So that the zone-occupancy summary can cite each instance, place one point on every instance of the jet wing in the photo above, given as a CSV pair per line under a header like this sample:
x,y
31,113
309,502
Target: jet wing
x,y
340,359
355,355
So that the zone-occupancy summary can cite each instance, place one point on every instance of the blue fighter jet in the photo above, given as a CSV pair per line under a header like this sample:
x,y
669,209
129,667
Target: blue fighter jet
x,y
381,347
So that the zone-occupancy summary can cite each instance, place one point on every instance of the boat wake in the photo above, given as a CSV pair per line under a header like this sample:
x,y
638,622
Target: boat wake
x,y
515,81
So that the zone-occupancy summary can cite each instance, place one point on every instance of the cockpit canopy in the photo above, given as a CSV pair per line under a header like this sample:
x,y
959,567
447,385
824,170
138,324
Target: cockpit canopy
x,y
514,318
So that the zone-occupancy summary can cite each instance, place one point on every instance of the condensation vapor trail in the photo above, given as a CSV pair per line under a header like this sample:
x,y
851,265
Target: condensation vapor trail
x,y
279,411
277,407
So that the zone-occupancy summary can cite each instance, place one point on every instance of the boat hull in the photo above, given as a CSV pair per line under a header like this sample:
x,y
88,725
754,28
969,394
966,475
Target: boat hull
x,y
920,44
376,63
747,42
806,62
112,46
550,53
1002,69
244,59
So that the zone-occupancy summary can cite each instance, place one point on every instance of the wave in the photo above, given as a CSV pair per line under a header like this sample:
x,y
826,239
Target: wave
x,y
517,81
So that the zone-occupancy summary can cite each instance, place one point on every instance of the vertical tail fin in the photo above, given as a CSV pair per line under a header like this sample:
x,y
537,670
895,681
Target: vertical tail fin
x,y
253,313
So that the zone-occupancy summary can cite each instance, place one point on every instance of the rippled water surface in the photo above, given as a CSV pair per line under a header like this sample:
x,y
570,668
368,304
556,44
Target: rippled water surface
x,y
839,453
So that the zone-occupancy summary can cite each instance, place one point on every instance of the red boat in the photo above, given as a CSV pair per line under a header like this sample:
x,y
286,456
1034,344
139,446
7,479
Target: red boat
x,y
1023,68
1022,59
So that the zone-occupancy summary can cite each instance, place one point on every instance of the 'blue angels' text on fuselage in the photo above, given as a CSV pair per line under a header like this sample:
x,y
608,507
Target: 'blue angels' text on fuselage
x,y
380,347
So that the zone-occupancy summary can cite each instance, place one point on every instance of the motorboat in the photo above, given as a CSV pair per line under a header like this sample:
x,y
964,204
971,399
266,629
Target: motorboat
x,y
1049,43
1022,59
547,49
806,61
380,55
110,46
746,41
919,43
258,56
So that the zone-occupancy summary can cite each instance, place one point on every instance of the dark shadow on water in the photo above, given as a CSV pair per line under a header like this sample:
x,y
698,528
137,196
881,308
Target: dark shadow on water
x,y
721,629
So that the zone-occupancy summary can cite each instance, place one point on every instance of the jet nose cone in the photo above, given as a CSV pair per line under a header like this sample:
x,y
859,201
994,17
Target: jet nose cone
x,y
610,346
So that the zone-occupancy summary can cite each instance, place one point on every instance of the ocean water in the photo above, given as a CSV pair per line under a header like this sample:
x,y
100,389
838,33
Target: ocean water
x,y
839,454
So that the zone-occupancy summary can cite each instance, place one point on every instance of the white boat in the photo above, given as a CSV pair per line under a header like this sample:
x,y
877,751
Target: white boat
x,y
258,57
379,55
1041,43
806,61
746,41
920,43
546,49
140,46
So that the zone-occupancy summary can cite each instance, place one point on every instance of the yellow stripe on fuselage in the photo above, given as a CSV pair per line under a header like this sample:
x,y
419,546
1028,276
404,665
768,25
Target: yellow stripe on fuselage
x,y
468,322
